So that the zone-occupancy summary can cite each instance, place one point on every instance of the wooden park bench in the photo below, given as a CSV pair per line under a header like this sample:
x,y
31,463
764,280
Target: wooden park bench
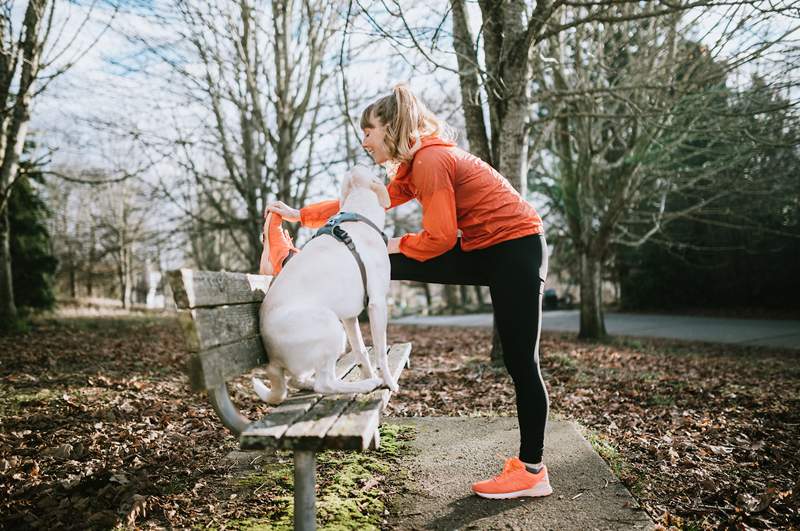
x,y
218,312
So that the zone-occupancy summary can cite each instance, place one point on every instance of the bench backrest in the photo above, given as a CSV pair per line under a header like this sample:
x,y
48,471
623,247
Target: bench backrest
x,y
218,312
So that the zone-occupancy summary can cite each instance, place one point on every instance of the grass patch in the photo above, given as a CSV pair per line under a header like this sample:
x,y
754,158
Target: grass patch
x,y
352,487
611,455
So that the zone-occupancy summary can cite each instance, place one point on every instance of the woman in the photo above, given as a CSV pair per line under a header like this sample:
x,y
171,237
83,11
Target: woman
x,y
501,246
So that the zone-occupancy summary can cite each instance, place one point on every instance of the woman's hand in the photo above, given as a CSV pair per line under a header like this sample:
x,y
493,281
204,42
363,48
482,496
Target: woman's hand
x,y
393,245
283,210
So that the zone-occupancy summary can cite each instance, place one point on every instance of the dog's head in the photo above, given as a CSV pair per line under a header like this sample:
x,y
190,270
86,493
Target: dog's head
x,y
362,177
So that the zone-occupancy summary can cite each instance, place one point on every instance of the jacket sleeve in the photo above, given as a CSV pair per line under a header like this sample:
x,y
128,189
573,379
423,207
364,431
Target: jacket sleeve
x,y
433,177
316,215
398,193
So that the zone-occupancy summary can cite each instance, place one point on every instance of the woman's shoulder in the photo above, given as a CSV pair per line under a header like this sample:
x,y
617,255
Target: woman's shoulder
x,y
435,153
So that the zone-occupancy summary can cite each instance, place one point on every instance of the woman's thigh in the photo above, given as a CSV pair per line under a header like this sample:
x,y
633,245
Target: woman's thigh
x,y
453,267
516,283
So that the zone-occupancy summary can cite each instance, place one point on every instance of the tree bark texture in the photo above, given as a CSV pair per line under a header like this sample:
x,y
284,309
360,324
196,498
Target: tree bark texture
x,y
8,309
592,325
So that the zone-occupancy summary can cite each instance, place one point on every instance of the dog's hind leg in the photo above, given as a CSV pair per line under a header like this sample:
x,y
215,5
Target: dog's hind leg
x,y
327,382
277,391
357,345
378,320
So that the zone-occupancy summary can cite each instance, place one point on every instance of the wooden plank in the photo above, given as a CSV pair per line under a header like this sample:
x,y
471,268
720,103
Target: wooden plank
x,y
266,433
215,366
308,432
355,428
205,328
192,289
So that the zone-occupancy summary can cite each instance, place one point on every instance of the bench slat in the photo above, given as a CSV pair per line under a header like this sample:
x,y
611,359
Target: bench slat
x,y
205,328
356,426
192,289
308,432
266,433
215,366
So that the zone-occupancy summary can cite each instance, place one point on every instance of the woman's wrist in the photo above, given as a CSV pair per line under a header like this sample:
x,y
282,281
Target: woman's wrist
x,y
393,245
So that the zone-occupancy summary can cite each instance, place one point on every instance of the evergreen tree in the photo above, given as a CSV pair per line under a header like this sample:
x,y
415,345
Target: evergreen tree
x,y
32,262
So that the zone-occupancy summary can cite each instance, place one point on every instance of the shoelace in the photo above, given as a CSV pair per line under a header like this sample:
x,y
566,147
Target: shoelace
x,y
508,467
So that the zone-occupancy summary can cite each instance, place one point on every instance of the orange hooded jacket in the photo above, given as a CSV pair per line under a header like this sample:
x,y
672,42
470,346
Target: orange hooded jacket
x,y
457,190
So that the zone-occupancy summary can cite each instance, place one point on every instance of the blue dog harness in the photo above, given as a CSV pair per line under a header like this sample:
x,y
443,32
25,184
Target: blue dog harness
x,y
333,228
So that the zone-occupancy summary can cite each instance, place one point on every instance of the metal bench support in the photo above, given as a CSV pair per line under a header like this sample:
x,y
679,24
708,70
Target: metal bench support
x,y
228,413
305,464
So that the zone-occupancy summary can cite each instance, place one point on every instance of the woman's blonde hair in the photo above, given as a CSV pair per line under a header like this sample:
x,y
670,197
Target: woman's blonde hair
x,y
406,119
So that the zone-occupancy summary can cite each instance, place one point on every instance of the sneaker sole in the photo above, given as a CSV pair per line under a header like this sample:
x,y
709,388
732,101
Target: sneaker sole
x,y
535,492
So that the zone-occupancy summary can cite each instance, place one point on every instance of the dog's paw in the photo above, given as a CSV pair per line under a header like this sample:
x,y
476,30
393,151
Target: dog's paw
x,y
261,390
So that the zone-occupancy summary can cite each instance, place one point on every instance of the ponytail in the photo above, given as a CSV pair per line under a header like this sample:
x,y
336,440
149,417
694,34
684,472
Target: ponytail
x,y
406,119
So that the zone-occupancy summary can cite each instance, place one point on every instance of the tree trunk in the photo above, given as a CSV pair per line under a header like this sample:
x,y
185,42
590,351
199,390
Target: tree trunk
x,y
469,82
497,348
592,321
479,297
92,260
428,298
8,309
451,297
73,283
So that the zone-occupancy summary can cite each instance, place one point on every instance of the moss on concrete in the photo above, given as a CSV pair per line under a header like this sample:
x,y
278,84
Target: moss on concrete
x,y
621,468
352,487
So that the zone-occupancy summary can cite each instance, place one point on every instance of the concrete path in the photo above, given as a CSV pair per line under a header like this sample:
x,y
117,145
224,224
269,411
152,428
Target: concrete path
x,y
454,452
785,334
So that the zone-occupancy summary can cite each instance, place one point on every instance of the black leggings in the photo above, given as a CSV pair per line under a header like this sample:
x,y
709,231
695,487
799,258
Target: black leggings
x,y
515,271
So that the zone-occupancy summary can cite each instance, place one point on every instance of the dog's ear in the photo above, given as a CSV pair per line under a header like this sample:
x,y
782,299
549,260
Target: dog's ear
x,y
382,193
346,185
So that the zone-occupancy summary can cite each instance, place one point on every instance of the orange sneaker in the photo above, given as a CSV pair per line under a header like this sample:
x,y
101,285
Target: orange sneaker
x,y
514,482
277,246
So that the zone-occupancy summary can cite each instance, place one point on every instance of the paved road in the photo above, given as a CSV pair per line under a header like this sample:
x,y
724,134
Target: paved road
x,y
784,334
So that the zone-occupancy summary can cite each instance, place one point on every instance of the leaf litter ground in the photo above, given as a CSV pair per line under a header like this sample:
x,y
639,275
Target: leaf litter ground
x,y
98,428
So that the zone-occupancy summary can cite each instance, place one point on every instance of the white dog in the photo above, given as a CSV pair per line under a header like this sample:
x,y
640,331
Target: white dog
x,y
313,305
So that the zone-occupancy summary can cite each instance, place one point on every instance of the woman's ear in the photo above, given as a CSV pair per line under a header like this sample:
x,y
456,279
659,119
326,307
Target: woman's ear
x,y
382,193
346,184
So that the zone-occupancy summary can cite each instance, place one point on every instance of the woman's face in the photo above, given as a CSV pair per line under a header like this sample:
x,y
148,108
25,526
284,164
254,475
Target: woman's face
x,y
373,141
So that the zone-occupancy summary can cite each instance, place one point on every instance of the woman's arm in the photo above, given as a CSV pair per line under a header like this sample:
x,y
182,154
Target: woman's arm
x,y
434,172
316,215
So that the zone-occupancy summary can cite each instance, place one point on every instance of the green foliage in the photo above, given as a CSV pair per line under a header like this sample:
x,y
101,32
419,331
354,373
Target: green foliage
x,y
737,251
32,263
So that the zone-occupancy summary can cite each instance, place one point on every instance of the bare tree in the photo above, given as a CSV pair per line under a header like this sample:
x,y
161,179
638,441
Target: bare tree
x,y
26,69
631,117
259,77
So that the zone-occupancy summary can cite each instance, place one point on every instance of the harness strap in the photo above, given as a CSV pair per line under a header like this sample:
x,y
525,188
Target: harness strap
x,y
333,228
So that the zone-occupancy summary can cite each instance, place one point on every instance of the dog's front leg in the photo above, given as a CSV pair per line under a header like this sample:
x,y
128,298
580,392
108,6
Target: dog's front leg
x,y
378,320
357,345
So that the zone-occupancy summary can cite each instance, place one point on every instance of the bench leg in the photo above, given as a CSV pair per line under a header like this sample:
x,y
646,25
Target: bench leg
x,y
305,464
